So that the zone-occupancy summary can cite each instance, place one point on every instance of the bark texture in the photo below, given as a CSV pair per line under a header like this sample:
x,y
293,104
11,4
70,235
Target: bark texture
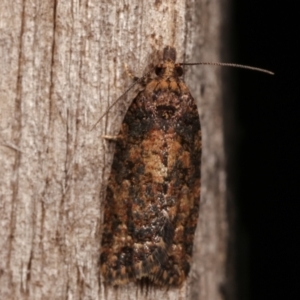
x,y
62,65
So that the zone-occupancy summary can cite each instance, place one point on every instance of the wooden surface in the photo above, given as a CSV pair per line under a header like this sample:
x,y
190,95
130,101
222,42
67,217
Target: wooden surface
x,y
62,64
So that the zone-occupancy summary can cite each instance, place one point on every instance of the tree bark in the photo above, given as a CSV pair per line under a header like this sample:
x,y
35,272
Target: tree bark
x,y
62,65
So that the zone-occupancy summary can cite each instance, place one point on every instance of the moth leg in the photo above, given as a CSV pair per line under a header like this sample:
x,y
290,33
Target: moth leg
x,y
111,137
114,138
130,74
143,81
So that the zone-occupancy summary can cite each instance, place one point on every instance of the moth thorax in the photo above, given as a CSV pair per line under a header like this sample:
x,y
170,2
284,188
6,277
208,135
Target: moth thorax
x,y
168,70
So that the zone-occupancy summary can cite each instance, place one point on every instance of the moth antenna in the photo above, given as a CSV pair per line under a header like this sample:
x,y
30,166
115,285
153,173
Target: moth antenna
x,y
128,89
139,80
229,65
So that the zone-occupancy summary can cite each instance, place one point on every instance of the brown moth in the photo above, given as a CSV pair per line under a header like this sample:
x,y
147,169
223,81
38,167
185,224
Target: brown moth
x,y
153,194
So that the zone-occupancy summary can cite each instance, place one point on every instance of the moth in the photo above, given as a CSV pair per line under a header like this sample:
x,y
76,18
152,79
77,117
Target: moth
x,y
153,195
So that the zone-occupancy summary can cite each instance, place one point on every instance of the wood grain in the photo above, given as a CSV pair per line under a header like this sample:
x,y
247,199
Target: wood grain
x,y
62,65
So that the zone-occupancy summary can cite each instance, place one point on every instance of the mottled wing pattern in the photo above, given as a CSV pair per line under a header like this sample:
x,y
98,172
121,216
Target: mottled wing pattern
x,y
153,194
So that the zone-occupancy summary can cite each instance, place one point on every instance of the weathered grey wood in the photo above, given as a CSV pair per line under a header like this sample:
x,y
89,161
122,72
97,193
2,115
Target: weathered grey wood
x,y
62,64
